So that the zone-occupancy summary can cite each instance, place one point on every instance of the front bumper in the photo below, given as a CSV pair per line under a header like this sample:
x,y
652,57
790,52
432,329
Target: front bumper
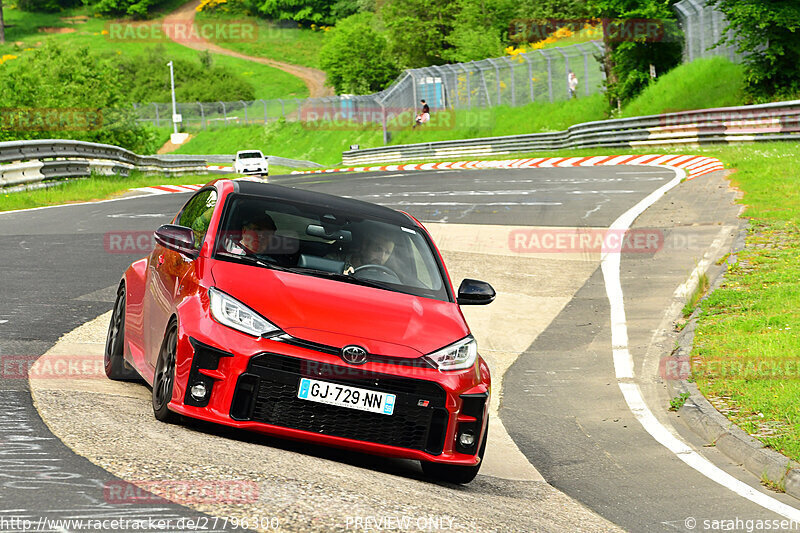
x,y
254,386
262,171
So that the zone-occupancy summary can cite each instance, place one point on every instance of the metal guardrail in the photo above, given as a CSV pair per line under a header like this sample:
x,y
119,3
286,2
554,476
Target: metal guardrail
x,y
23,163
767,122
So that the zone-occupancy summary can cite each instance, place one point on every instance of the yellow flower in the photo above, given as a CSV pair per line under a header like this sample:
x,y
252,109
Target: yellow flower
x,y
104,32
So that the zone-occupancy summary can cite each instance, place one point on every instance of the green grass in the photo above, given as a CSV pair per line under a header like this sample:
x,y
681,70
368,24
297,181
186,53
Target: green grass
x,y
701,84
94,188
268,82
755,315
697,295
327,142
324,143
298,46
293,140
104,187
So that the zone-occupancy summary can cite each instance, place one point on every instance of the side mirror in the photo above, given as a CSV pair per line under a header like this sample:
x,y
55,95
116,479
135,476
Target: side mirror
x,y
474,292
178,238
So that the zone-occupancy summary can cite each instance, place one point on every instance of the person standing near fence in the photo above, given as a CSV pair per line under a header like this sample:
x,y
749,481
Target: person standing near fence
x,y
572,82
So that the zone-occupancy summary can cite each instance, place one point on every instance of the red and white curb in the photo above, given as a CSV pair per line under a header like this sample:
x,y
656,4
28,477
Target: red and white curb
x,y
694,165
168,189
172,189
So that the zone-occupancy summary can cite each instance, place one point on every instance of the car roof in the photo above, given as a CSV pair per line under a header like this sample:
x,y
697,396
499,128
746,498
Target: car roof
x,y
248,151
336,203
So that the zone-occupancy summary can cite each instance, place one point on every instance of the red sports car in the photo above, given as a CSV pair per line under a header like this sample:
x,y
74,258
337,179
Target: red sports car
x,y
307,316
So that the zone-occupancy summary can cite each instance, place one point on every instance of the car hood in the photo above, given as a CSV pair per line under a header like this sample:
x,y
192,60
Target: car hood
x,y
337,313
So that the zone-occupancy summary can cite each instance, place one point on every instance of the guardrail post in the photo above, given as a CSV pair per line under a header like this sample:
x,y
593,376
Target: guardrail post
x,y
585,68
549,75
202,115
530,75
513,91
467,74
444,84
414,88
566,70
244,106
383,120
497,79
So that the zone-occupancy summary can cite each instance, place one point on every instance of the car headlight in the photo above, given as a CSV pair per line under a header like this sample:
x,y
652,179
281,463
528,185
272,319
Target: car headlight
x,y
457,356
232,313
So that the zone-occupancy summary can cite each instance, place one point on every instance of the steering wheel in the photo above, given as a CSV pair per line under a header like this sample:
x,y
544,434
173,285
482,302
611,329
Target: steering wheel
x,y
383,272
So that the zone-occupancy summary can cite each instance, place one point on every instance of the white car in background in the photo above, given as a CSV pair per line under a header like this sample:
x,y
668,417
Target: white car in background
x,y
251,162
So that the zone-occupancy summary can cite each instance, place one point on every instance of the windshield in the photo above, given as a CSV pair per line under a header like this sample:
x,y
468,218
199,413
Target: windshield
x,y
251,155
311,240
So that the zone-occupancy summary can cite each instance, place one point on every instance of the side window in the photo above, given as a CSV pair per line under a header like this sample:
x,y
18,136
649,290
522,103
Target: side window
x,y
197,214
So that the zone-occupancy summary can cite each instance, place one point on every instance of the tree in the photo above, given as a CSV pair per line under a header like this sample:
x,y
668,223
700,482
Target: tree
x,y
480,30
767,33
418,30
545,9
305,11
355,56
628,55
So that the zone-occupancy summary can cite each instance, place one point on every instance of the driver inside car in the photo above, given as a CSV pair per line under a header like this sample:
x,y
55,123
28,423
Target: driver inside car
x,y
374,250
256,234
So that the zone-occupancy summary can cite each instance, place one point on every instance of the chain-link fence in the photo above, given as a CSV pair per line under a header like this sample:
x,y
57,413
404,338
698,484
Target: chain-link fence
x,y
538,76
703,27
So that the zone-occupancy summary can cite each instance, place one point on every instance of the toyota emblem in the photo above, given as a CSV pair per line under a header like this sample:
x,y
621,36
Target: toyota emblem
x,y
355,355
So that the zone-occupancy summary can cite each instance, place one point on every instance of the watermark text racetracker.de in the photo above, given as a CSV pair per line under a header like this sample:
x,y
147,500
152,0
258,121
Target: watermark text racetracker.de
x,y
738,368
62,366
613,30
184,492
355,116
184,31
50,119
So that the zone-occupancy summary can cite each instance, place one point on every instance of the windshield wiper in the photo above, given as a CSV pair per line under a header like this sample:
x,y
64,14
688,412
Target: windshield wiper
x,y
254,259
346,278
308,271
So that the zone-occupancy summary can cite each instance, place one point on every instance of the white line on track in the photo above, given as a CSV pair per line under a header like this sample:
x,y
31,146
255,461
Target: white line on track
x,y
665,171
624,369
472,203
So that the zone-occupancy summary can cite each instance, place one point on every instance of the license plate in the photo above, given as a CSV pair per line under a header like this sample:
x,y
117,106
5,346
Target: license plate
x,y
344,396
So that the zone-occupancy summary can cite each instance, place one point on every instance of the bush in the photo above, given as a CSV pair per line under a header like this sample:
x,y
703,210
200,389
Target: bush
x,y
132,8
146,77
47,6
77,87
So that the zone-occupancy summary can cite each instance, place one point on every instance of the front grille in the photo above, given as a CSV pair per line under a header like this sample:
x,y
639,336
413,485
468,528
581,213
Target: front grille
x,y
267,393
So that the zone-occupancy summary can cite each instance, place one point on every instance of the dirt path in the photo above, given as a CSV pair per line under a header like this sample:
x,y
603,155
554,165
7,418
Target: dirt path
x,y
313,78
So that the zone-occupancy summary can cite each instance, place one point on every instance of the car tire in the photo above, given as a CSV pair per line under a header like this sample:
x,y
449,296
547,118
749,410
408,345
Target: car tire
x,y
458,475
164,377
113,358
